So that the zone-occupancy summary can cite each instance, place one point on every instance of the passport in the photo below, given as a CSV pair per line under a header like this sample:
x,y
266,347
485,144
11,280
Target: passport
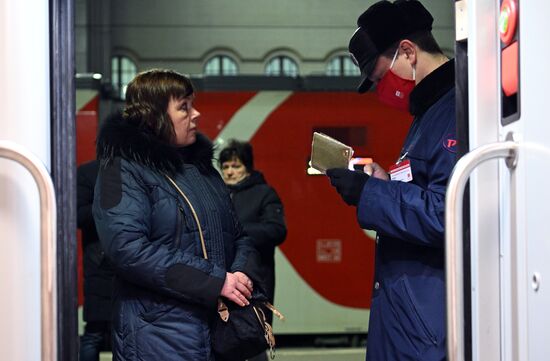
x,y
327,153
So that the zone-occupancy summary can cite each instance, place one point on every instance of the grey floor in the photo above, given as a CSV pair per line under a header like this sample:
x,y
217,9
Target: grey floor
x,y
304,354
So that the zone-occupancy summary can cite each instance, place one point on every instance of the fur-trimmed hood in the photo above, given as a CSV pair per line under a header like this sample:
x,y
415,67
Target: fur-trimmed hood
x,y
120,138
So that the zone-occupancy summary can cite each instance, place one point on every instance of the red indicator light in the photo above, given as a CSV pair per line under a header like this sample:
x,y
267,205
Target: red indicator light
x,y
507,21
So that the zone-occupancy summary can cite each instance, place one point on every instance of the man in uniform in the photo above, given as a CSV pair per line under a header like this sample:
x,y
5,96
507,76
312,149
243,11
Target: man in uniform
x,y
396,51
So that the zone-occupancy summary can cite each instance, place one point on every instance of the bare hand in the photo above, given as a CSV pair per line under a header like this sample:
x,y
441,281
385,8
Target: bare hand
x,y
235,290
244,279
376,171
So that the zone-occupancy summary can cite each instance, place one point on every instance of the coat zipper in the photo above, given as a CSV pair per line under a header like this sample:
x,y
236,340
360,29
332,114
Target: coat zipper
x,y
180,219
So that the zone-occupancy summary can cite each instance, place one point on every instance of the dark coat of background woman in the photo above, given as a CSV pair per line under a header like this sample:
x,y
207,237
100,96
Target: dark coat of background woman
x,y
258,207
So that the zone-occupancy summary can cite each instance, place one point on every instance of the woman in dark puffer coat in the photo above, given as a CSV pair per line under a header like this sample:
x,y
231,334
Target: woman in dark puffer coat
x,y
165,292
258,207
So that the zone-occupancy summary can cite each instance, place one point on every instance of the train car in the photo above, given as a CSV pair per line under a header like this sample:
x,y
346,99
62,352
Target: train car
x,y
324,269
87,117
324,246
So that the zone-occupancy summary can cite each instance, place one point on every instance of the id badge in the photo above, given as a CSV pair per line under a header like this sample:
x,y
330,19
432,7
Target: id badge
x,y
401,171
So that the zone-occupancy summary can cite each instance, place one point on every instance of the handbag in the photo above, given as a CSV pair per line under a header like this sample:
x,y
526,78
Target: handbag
x,y
239,332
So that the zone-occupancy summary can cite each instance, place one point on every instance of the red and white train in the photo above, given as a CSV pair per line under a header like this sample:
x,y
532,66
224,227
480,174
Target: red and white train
x,y
325,267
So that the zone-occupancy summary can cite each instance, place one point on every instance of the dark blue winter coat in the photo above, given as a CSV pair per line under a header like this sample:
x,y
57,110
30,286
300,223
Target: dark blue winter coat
x,y
407,316
165,292
261,213
98,273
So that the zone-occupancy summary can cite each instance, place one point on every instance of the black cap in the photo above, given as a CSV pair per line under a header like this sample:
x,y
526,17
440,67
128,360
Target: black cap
x,y
382,25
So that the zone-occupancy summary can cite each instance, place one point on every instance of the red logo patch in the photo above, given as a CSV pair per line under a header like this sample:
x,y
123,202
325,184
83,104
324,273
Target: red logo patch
x,y
450,143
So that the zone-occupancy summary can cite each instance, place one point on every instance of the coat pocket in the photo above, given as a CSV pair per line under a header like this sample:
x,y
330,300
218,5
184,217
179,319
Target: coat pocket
x,y
154,307
410,318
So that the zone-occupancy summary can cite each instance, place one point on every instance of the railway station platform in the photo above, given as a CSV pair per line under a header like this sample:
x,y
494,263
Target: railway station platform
x,y
303,354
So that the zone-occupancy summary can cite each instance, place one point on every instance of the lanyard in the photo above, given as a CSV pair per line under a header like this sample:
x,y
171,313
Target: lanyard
x,y
418,131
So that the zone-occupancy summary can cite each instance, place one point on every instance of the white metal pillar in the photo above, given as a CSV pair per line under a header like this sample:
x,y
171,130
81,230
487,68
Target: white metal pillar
x,y
509,205
24,119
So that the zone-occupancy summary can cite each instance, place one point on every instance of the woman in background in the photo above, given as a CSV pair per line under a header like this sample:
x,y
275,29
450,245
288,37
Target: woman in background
x,y
258,207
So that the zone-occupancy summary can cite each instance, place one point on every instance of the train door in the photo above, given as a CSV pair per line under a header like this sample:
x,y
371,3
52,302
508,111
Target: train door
x,y
501,45
37,188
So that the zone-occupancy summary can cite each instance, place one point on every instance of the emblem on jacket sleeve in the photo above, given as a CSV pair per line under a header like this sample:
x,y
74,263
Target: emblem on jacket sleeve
x,y
450,143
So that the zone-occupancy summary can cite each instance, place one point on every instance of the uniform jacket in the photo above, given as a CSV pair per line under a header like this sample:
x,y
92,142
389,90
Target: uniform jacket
x,y
407,319
165,292
98,273
260,211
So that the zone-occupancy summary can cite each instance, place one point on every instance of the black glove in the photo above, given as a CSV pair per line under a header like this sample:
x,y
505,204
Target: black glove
x,y
348,183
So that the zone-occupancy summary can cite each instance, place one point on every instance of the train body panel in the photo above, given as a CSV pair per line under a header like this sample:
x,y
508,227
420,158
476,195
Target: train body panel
x,y
325,267
87,123
325,249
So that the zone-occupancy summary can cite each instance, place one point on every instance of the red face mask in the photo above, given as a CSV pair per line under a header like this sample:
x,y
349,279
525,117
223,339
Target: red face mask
x,y
393,90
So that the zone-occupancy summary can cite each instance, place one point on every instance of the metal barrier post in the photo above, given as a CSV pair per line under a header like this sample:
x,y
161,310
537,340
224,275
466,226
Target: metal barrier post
x,y
48,213
453,238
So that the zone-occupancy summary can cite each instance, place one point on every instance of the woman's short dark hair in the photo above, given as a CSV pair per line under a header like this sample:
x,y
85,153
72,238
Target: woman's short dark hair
x,y
147,98
238,150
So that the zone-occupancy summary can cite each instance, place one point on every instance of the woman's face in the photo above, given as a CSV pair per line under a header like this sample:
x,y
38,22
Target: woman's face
x,y
184,119
234,171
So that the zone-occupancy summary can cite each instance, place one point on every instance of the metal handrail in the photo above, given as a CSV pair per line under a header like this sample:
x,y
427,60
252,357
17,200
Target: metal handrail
x,y
453,237
48,273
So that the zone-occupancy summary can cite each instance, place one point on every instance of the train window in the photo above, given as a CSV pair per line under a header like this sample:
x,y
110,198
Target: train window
x,y
221,65
281,66
352,136
342,65
123,70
